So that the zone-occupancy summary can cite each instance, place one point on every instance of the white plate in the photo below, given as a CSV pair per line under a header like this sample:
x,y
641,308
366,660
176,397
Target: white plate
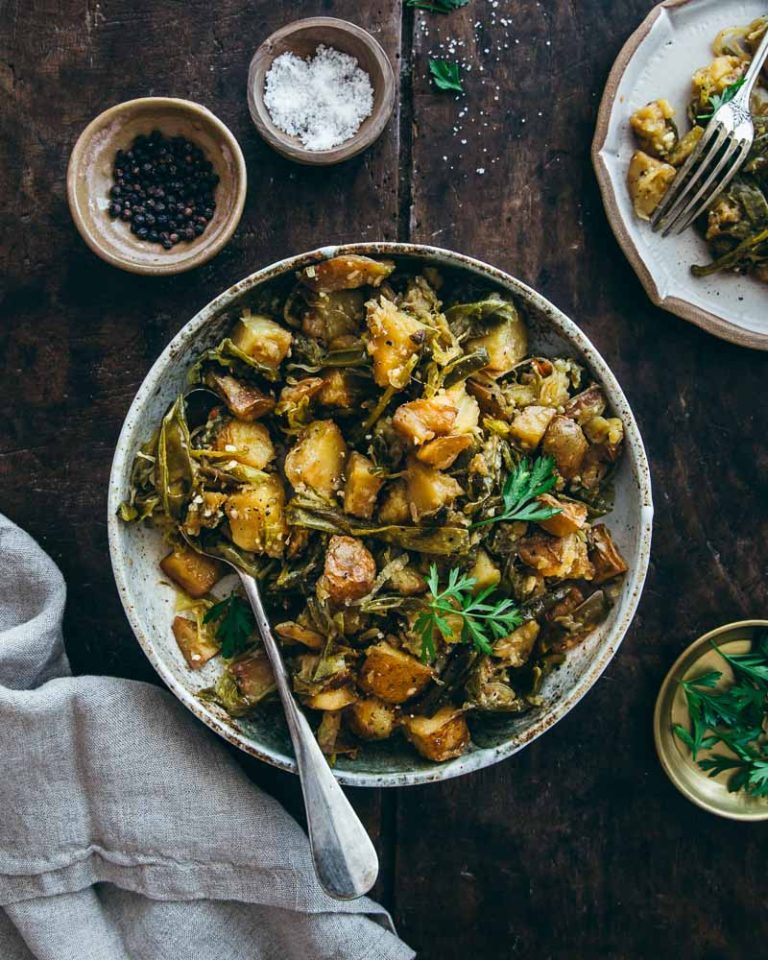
x,y
150,604
658,61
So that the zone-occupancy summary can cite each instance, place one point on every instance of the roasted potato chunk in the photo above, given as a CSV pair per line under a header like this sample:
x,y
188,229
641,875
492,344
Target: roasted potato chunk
x,y
193,572
362,486
392,675
253,676
262,339
335,699
516,649
605,555
332,315
708,81
564,440
205,511
371,719
530,425
408,582
467,409
485,572
317,459
394,507
347,272
562,557
654,128
296,633
338,389
442,452
248,443
243,400
428,490
350,569
648,180
607,433
586,405
506,343
572,516
196,645
440,737
395,337
256,515
422,420
293,394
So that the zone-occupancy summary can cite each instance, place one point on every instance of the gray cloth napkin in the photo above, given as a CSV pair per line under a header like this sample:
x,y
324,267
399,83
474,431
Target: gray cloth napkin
x,y
126,831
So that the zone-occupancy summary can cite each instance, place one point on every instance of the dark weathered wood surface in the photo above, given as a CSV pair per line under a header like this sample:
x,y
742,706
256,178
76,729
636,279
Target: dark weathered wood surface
x,y
578,847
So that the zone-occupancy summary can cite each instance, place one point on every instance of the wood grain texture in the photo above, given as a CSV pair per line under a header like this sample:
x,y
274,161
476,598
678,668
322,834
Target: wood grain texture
x,y
578,847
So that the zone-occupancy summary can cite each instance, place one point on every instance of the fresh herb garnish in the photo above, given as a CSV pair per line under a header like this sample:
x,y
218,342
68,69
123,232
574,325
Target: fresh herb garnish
x,y
481,622
734,716
437,6
522,487
719,99
234,624
446,75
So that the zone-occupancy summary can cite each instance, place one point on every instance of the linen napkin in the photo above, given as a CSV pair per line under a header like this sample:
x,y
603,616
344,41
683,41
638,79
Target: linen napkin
x,y
126,831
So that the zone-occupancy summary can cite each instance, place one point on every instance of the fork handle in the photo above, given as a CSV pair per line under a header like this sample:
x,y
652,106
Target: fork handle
x,y
753,71
344,857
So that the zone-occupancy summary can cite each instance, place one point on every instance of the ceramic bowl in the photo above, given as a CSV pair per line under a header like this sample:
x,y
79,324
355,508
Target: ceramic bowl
x,y
150,604
658,60
302,38
89,178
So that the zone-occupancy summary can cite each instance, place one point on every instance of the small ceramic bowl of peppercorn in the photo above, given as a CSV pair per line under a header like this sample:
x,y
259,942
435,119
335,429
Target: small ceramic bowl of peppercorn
x,y
156,185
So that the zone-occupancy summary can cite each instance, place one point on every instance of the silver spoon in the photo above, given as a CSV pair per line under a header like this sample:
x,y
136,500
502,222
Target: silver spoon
x,y
344,857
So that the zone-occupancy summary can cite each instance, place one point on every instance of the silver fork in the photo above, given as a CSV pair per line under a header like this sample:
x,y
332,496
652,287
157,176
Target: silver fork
x,y
718,156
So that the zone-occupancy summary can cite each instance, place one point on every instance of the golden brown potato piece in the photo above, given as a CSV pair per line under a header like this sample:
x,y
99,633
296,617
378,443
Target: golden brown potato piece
x,y
262,339
648,180
296,633
334,699
586,405
607,433
362,486
721,73
394,507
572,516
371,719
440,737
242,400
408,582
427,489
654,128
346,272
516,648
421,420
338,389
442,452
350,569
467,409
484,571
332,315
316,460
561,557
506,343
530,425
195,644
253,676
205,510
605,555
248,443
256,515
391,675
193,572
564,440
293,393
394,338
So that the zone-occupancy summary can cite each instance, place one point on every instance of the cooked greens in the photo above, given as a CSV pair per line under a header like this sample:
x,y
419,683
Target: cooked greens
x,y
413,490
736,224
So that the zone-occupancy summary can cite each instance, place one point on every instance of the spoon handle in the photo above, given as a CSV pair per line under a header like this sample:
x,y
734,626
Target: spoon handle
x,y
345,859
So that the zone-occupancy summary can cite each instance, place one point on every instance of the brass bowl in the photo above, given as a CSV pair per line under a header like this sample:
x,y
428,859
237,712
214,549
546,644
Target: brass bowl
x,y
709,793
89,178
302,37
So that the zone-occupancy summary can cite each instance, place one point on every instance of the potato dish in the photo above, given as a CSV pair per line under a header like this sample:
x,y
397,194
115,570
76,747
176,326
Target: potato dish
x,y
736,224
419,498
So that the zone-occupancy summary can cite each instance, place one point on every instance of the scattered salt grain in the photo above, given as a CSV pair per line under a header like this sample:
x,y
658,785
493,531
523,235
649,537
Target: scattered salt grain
x,y
321,100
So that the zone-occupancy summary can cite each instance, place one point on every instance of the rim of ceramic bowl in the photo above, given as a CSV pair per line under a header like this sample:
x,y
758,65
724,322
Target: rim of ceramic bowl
x,y
480,757
205,251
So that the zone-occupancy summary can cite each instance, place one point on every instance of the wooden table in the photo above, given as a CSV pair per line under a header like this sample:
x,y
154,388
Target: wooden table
x,y
578,847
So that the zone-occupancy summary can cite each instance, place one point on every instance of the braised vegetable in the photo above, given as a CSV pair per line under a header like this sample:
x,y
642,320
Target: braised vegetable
x,y
414,493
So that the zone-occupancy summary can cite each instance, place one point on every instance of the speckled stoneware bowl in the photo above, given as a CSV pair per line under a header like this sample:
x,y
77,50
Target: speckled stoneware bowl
x,y
149,603
89,179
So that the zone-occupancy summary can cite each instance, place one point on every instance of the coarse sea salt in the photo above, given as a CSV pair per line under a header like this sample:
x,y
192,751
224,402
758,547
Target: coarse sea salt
x,y
322,100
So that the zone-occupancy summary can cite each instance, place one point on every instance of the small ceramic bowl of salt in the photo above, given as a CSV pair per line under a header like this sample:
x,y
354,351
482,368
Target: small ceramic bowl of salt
x,y
320,90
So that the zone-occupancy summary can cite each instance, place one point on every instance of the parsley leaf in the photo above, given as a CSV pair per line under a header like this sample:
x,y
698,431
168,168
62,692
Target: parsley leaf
x,y
479,621
719,99
437,6
521,488
446,75
235,624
